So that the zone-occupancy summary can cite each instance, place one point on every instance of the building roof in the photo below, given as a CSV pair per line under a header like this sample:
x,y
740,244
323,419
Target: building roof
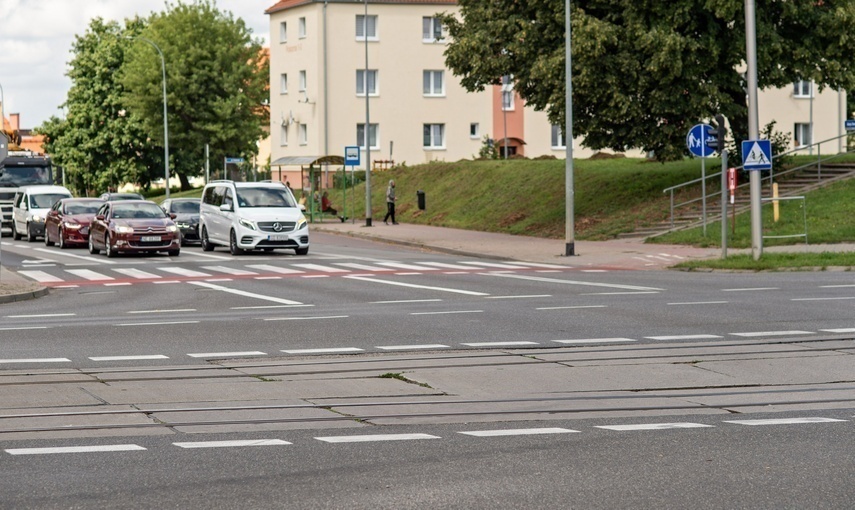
x,y
308,160
282,5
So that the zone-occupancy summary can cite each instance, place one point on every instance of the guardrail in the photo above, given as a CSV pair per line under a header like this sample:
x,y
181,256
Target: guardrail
x,y
770,177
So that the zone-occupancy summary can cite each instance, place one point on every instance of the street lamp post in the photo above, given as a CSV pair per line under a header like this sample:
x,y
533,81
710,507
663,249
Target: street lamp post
x,y
165,121
569,220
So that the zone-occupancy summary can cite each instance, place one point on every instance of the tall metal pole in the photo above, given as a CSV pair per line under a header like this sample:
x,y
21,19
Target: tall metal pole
x,y
569,235
753,127
367,130
165,121
2,128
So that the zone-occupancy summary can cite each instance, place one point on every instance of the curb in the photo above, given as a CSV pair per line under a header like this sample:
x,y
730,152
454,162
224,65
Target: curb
x,y
24,296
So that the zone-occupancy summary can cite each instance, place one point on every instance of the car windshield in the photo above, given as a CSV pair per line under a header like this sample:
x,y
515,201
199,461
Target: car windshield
x,y
124,196
190,207
82,207
264,197
45,201
138,211
23,175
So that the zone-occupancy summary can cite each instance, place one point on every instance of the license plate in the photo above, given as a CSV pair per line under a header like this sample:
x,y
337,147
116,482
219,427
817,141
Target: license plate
x,y
277,238
150,239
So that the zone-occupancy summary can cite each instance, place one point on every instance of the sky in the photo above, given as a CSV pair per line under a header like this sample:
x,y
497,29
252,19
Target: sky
x,y
36,38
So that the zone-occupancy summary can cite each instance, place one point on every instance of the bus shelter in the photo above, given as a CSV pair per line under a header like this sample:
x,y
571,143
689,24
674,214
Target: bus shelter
x,y
315,175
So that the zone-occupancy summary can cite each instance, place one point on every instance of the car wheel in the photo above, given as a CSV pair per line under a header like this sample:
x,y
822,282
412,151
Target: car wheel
x,y
302,251
31,237
61,239
15,235
48,242
92,249
234,249
173,253
108,248
206,243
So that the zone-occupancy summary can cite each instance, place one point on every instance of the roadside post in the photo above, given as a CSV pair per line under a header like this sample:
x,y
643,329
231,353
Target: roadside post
x,y
351,159
731,185
4,153
696,142
725,183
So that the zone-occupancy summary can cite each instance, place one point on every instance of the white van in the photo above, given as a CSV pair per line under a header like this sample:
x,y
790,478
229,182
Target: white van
x,y
30,209
251,216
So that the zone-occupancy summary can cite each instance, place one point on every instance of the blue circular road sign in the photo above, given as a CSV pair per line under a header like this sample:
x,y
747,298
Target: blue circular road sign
x,y
696,140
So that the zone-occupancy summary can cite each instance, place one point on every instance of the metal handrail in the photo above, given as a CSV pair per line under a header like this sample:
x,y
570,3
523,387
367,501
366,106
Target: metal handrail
x,y
771,175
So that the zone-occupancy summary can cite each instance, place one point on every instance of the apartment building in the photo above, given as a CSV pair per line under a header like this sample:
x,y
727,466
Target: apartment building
x,y
418,110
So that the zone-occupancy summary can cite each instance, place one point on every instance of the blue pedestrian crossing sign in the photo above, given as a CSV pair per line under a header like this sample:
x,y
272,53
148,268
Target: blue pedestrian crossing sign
x,y
756,154
696,140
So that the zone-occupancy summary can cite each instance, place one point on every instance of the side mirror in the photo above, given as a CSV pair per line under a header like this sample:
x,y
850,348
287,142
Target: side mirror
x,y
226,207
172,216
302,207
100,217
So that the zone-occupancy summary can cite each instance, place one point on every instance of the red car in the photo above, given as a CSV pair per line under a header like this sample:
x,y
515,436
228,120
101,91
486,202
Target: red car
x,y
133,226
67,222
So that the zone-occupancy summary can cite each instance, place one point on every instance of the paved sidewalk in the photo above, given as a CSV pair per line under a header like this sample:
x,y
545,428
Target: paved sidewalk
x,y
14,288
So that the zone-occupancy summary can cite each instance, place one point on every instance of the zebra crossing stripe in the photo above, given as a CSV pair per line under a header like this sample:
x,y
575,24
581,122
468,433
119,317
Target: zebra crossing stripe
x,y
75,449
229,270
274,269
136,273
182,271
40,276
325,269
362,267
89,274
409,267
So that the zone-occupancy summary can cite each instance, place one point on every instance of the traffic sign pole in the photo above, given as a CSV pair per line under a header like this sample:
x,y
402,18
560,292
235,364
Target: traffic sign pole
x,y
724,186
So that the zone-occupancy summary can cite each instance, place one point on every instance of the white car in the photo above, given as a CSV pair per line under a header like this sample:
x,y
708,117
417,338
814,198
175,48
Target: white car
x,y
251,216
30,208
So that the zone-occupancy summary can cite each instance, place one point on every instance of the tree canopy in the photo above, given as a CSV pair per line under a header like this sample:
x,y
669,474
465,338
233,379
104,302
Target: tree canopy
x,y
644,72
216,77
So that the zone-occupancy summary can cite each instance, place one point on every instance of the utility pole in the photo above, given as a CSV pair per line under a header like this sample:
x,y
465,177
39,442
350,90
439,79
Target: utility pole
x,y
753,127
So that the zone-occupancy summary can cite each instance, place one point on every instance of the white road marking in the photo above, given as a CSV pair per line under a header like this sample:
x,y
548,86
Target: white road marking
x,y
446,266
498,344
41,315
99,260
699,303
40,276
784,421
75,449
165,311
406,301
375,437
574,282
447,312
594,341
823,298
267,278
594,271
569,307
36,360
548,271
316,276
517,432
772,333
229,270
362,267
121,284
167,281
307,318
654,426
215,280
168,323
331,350
618,293
233,444
839,330
180,271
246,294
23,328
67,287
128,358
137,273
409,267
750,289
407,274
520,297
89,274
325,269
836,286
265,307
274,269
414,286
211,256
455,272
226,354
683,337
493,264
411,347
537,264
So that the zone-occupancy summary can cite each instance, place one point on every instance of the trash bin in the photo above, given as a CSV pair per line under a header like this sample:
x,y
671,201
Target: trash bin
x,y
421,195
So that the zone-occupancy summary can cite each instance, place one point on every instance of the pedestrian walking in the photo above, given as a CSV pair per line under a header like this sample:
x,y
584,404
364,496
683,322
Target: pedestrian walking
x,y
390,203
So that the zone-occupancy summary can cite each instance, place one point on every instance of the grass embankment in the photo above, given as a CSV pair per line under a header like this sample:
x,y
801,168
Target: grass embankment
x,y
773,261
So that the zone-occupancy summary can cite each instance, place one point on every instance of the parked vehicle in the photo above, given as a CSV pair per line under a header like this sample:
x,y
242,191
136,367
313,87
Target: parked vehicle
x,y
133,226
112,197
21,168
67,222
186,211
251,216
30,209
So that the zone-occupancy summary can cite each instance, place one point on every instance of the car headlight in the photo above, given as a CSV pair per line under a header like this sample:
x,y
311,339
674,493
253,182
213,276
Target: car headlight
x,y
248,224
171,228
181,224
73,226
122,229
302,222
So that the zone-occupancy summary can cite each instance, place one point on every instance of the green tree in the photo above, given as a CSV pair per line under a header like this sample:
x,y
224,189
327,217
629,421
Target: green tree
x,y
98,144
217,79
645,72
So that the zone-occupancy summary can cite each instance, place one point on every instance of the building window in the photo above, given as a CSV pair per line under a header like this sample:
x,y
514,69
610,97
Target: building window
x,y
283,83
303,133
283,135
558,137
802,88
434,84
362,85
474,130
802,132
434,136
301,30
283,32
372,136
366,30
302,81
431,29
